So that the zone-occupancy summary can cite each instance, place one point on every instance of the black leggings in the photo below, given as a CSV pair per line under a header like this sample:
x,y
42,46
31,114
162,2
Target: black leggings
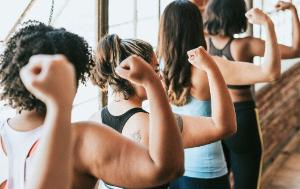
x,y
197,183
243,151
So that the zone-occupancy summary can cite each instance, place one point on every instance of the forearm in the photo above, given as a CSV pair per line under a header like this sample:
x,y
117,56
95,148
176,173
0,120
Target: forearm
x,y
271,65
52,163
223,114
165,145
296,31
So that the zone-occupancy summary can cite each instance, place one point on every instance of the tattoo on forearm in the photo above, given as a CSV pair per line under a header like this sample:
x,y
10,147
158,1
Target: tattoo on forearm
x,y
179,121
136,136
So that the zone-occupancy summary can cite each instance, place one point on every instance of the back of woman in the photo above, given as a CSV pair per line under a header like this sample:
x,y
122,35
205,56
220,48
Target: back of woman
x,y
225,18
181,29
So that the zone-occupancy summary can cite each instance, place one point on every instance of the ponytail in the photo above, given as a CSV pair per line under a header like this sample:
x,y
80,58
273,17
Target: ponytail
x,y
111,52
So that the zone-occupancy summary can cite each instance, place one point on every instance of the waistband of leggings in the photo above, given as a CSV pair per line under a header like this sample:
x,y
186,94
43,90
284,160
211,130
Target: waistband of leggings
x,y
250,104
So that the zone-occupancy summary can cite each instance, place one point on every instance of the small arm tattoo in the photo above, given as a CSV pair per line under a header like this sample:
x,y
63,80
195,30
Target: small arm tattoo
x,y
136,136
179,121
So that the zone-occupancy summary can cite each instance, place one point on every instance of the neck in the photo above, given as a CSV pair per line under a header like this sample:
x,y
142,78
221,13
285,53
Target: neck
x,y
121,104
26,121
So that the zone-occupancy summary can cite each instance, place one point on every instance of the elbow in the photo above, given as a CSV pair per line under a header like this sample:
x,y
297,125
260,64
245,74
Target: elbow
x,y
232,129
169,172
274,77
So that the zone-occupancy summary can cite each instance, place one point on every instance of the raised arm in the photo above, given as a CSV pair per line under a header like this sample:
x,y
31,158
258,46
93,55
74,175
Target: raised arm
x,y
239,73
52,80
294,50
257,46
198,130
131,164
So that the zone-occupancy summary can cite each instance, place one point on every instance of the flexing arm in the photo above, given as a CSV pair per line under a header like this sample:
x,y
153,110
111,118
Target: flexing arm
x,y
294,50
198,130
239,73
257,46
131,164
54,149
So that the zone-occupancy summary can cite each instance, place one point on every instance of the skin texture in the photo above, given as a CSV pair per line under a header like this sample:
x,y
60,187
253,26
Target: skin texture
x,y
99,160
245,49
206,130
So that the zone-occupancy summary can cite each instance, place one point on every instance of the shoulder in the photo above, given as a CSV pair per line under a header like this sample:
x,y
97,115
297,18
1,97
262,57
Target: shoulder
x,y
139,120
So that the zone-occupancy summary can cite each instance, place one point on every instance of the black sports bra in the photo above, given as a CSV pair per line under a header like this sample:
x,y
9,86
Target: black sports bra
x,y
227,53
117,123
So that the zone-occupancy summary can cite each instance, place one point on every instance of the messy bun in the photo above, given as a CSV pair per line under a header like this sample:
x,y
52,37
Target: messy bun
x,y
111,51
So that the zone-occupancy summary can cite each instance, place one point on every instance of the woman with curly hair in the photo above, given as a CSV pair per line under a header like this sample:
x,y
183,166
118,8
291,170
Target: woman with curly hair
x,y
224,19
91,150
181,29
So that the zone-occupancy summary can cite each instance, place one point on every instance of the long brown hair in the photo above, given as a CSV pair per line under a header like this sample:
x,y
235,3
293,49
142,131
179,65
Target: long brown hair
x,y
181,29
111,51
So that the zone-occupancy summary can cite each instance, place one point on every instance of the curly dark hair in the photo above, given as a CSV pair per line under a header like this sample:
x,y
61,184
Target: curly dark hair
x,y
110,53
37,38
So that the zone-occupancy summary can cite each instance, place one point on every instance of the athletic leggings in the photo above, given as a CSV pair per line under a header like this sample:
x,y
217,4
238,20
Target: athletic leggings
x,y
197,183
243,151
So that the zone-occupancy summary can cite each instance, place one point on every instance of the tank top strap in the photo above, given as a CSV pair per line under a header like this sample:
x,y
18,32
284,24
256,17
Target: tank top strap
x,y
33,148
227,46
118,122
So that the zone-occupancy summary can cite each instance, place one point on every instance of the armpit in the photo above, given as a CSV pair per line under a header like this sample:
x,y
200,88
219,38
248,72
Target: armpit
x,y
179,121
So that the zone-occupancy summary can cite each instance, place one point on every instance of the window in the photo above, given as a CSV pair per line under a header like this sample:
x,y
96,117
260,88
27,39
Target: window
x,y
69,14
129,19
136,18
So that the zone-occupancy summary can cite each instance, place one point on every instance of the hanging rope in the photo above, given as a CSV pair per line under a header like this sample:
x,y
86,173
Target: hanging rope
x,y
51,13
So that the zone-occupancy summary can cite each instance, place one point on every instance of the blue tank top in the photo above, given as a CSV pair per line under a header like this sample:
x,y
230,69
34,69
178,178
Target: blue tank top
x,y
206,161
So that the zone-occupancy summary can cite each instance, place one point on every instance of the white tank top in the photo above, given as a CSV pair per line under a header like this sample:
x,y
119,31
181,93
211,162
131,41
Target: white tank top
x,y
17,155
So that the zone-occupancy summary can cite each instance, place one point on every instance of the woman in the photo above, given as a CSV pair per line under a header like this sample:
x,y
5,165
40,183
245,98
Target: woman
x,y
125,114
181,28
92,154
225,18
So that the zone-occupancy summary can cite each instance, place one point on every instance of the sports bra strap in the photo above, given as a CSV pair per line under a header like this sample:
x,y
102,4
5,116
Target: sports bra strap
x,y
118,122
33,148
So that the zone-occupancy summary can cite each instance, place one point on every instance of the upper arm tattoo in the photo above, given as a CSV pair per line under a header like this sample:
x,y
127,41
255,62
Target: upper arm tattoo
x,y
136,136
179,121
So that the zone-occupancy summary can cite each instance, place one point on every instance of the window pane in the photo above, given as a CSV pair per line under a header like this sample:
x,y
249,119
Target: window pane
x,y
163,4
120,11
10,10
148,30
146,9
124,30
76,16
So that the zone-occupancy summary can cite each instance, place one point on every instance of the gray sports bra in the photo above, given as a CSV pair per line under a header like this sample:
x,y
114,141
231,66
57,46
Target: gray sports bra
x,y
227,53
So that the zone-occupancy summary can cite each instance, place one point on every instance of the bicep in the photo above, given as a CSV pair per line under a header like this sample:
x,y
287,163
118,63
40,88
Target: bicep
x,y
198,131
119,161
286,52
240,73
257,48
